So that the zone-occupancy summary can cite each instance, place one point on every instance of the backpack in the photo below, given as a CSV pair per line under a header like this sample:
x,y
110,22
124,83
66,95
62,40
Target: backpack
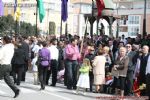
x,y
43,59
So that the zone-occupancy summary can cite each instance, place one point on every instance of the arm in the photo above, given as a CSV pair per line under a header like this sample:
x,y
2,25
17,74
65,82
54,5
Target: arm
x,y
94,62
1,53
84,69
123,65
69,52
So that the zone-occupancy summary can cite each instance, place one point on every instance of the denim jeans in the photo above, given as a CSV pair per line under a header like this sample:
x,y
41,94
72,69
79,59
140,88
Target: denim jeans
x,y
71,66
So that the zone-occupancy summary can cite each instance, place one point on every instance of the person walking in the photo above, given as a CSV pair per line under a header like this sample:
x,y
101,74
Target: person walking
x,y
43,64
6,54
18,63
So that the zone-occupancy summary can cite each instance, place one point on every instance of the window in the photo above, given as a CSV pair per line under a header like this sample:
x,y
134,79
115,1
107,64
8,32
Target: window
x,y
133,30
86,9
133,25
134,19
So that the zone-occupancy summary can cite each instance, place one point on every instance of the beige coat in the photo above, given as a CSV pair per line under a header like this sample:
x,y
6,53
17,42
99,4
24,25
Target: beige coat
x,y
99,65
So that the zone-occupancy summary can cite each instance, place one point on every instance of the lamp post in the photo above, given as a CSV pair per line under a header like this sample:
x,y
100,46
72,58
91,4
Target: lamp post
x,y
144,20
91,20
91,30
36,18
117,32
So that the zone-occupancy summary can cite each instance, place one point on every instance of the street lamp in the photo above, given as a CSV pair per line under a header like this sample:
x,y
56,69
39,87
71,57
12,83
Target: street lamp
x,y
92,19
144,20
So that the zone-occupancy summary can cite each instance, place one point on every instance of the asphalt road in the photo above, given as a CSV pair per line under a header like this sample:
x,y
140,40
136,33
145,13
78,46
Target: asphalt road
x,y
32,92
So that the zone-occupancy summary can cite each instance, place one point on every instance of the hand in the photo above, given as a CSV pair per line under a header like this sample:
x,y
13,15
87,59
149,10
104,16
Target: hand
x,y
49,68
115,68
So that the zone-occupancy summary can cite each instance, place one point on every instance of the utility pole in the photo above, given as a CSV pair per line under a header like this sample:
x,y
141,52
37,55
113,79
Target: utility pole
x,y
91,30
144,20
117,32
36,17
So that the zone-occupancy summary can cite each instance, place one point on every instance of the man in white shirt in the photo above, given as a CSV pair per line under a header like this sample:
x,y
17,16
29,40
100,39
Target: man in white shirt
x,y
6,54
54,62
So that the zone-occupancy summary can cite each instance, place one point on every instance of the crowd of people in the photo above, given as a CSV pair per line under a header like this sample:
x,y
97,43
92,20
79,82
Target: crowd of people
x,y
113,65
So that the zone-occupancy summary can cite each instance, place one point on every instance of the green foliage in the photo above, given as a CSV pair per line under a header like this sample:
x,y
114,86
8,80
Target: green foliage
x,y
52,27
8,25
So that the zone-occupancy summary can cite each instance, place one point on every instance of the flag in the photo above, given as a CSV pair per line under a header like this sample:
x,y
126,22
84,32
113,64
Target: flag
x,y
100,6
64,10
1,8
17,10
41,10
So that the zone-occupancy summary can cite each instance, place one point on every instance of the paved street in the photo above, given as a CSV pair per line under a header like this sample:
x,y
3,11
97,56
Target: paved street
x,y
32,92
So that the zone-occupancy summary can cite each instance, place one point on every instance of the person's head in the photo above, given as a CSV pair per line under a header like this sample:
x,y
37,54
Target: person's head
x,y
100,52
121,44
129,47
145,49
106,50
44,43
122,51
6,39
123,36
54,41
74,41
61,43
135,47
86,62
110,43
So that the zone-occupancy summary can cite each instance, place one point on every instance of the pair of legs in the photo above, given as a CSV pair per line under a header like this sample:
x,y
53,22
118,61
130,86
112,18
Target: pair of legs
x,y
42,76
18,71
5,73
121,85
97,87
71,74
36,80
78,88
53,70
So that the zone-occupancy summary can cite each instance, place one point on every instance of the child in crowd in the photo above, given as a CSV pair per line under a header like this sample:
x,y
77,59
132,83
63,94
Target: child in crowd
x,y
35,70
83,81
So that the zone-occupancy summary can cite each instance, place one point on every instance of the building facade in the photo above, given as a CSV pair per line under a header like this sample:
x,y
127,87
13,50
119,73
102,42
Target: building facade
x,y
52,14
132,13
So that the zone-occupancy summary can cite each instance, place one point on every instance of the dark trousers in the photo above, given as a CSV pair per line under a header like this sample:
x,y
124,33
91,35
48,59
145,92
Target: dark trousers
x,y
5,73
148,85
71,73
65,74
54,69
18,69
24,72
48,76
91,76
129,83
42,75
142,79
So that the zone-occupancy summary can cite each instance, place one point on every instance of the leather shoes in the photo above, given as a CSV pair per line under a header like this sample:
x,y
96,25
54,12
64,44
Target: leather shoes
x,y
17,93
52,85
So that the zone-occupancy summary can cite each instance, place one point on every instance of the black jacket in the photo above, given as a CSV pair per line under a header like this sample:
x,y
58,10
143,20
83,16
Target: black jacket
x,y
19,56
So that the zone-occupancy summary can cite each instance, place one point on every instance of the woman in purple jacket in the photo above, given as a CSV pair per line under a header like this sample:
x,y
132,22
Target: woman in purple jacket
x,y
43,64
